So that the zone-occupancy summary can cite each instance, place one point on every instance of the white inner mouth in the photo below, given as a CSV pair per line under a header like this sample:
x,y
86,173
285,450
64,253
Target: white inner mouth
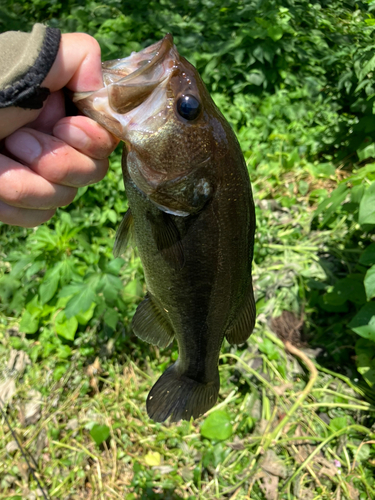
x,y
153,111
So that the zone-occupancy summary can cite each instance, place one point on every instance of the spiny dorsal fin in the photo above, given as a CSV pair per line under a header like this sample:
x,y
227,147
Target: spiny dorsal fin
x,y
124,234
242,326
168,240
151,324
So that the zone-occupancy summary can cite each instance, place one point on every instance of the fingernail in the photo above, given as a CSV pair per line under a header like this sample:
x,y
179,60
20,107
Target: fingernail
x,y
72,135
24,146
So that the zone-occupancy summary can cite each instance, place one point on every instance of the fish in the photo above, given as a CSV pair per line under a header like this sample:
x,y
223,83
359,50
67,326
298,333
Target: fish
x,y
191,215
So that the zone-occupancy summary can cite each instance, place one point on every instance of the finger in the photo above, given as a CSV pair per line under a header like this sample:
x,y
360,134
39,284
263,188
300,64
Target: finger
x,y
23,188
23,217
85,135
54,160
53,111
77,65
13,118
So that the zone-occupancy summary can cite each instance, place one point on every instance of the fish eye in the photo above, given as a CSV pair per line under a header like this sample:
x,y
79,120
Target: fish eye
x,y
188,107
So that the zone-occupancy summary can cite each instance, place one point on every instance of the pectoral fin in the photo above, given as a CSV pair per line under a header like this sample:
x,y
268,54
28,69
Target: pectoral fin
x,y
242,326
168,240
151,324
124,234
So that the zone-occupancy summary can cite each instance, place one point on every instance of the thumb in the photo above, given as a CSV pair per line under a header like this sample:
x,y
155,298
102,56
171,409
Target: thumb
x,y
77,65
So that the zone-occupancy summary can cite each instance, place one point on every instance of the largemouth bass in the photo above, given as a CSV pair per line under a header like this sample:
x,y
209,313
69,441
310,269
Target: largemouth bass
x,y
192,215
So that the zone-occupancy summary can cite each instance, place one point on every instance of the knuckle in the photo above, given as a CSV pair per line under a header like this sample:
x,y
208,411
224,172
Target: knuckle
x,y
91,43
16,193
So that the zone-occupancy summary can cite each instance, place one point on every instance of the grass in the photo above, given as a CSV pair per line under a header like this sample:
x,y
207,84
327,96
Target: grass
x,y
299,429
270,411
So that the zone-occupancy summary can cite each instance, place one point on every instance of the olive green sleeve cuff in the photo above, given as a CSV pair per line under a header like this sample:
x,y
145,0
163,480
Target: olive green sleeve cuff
x,y
25,60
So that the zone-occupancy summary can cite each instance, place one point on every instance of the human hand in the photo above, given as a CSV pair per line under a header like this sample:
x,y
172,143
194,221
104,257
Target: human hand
x,y
47,154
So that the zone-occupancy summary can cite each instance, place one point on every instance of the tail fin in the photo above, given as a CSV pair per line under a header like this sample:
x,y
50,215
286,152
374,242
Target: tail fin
x,y
179,397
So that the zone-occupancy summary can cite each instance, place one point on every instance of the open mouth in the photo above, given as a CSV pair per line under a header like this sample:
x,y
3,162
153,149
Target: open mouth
x,y
129,83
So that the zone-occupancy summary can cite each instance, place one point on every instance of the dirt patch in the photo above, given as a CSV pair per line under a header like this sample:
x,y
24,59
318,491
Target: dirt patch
x,y
288,328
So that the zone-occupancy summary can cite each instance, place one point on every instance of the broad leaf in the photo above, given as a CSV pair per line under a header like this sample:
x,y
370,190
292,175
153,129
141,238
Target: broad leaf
x,y
100,433
367,257
111,318
66,327
365,360
81,301
363,322
29,322
217,426
50,283
370,283
338,423
367,206
349,288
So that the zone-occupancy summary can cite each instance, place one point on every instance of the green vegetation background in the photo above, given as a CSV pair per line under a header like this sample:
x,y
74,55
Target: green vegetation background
x,y
295,80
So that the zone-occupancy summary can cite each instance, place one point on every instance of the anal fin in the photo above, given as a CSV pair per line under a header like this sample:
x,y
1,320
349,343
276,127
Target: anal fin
x,y
124,234
151,324
243,324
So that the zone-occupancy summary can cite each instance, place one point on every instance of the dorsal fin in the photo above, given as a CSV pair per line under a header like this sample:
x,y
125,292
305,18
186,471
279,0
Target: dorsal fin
x,y
124,234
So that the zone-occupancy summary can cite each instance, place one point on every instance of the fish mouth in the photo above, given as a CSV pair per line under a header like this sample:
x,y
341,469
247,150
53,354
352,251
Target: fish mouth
x,y
138,64
134,89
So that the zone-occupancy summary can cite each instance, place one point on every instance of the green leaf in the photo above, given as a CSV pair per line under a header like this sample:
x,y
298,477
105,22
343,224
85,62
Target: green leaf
x,y
366,152
367,206
81,301
365,360
59,371
66,327
30,322
132,291
275,32
255,77
363,322
331,204
370,283
217,426
111,286
84,317
367,257
366,68
111,318
349,288
16,343
269,348
100,433
64,351
115,265
338,423
50,283
363,453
